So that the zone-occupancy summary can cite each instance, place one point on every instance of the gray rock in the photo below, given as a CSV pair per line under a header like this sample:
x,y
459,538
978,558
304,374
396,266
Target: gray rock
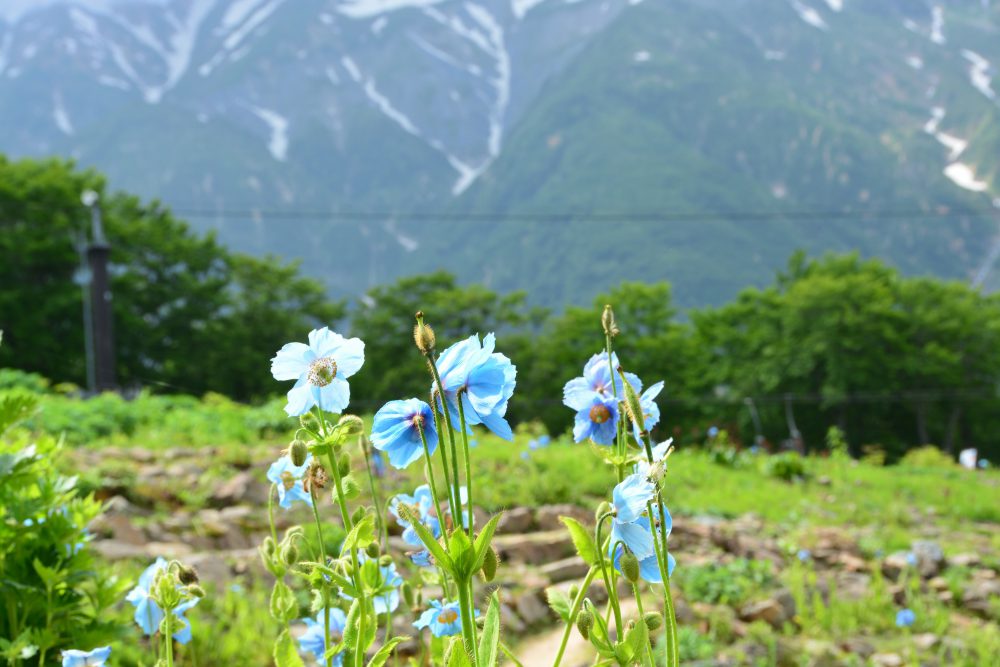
x,y
535,548
769,610
233,491
858,646
565,569
510,621
887,660
531,609
547,516
517,520
930,557
113,550
979,596
118,527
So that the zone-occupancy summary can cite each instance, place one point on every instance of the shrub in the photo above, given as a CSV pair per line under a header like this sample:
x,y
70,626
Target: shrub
x,y
927,456
787,466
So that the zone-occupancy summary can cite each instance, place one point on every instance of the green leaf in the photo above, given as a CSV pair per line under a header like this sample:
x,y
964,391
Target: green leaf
x,y
489,642
283,603
49,576
638,640
360,536
427,537
379,659
463,555
559,602
456,655
582,540
484,541
285,654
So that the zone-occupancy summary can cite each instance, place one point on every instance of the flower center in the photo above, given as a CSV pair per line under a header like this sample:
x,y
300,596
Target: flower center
x,y
447,616
600,413
322,371
288,480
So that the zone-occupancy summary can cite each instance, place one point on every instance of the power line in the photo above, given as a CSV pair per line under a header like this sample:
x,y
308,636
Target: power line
x,y
253,215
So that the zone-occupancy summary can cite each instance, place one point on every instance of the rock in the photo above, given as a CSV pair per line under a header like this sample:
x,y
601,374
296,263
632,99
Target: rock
x,y
887,660
930,557
821,653
894,565
683,611
852,563
769,610
212,569
965,560
121,505
547,516
510,621
119,527
823,480
858,646
977,596
938,583
516,520
567,568
167,549
531,609
141,454
113,550
785,598
853,585
535,548
233,491
926,641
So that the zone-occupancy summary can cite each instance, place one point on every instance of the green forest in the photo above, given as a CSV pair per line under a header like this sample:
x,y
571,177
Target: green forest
x,y
894,361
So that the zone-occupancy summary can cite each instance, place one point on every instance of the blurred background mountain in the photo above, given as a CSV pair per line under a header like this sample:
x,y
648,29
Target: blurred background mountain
x,y
695,141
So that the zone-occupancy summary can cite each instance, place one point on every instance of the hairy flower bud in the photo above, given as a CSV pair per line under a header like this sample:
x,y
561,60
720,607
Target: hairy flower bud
x,y
351,487
584,622
629,565
490,563
632,404
298,451
358,514
196,591
290,554
372,550
344,464
187,574
653,620
602,509
573,591
423,335
608,321
351,425
408,597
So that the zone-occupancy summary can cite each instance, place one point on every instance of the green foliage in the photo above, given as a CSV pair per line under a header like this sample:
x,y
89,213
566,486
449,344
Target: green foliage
x,y
787,466
724,583
52,594
927,456
189,314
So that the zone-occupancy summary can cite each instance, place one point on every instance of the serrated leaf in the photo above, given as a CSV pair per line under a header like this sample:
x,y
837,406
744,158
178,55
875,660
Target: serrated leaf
x,y
489,642
380,658
360,536
638,640
427,537
285,654
283,603
463,555
559,602
457,657
582,540
484,541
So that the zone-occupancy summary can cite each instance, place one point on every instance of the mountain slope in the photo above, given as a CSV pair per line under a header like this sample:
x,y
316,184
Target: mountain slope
x,y
741,113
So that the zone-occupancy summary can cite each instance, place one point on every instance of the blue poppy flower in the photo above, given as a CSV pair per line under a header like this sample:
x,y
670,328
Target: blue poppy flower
x,y
396,431
378,464
911,559
597,380
659,451
649,568
485,379
148,614
650,410
320,370
596,419
443,618
95,658
905,618
422,502
421,558
387,599
288,477
628,525
713,431
313,640
804,555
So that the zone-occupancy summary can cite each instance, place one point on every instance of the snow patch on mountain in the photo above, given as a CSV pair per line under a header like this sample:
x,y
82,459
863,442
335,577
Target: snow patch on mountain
x,y
522,7
385,106
937,25
365,9
60,115
836,5
809,15
240,20
963,176
277,145
979,73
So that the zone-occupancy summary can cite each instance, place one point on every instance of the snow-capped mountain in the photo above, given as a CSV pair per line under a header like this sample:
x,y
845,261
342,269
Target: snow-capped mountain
x,y
527,106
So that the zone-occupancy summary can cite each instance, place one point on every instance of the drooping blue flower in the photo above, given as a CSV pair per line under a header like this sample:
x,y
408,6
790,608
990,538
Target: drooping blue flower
x,y
148,614
596,419
628,525
320,370
443,618
396,431
660,452
313,640
649,568
804,555
422,502
650,410
911,559
713,431
597,380
95,658
421,558
388,599
905,618
288,477
483,378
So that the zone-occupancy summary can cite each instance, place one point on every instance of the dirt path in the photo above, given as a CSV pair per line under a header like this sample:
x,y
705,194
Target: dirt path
x,y
540,651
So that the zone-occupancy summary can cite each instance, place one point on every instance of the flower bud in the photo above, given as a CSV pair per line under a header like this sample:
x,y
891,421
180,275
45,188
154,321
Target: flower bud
x,y
632,404
372,550
608,321
423,335
584,622
408,596
385,561
358,515
267,546
290,554
196,591
344,464
653,620
629,565
602,509
490,563
298,452
351,487
573,591
187,575
351,425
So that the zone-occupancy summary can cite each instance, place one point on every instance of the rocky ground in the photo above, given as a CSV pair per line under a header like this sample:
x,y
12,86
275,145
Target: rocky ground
x,y
209,508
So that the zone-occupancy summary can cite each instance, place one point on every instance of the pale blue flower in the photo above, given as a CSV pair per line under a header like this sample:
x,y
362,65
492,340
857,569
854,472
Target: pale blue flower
x,y
148,614
905,618
628,525
596,419
288,478
483,378
659,451
443,618
422,502
804,555
597,380
95,658
396,431
649,568
421,558
650,410
320,370
313,640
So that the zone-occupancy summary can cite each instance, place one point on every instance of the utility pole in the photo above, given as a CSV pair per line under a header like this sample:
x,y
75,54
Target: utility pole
x,y
102,319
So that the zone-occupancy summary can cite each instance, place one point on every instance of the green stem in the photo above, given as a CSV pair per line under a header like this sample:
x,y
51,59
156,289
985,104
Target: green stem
x,y
468,462
573,612
322,552
168,637
383,530
270,512
444,463
430,474
468,619
662,558
612,593
457,515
